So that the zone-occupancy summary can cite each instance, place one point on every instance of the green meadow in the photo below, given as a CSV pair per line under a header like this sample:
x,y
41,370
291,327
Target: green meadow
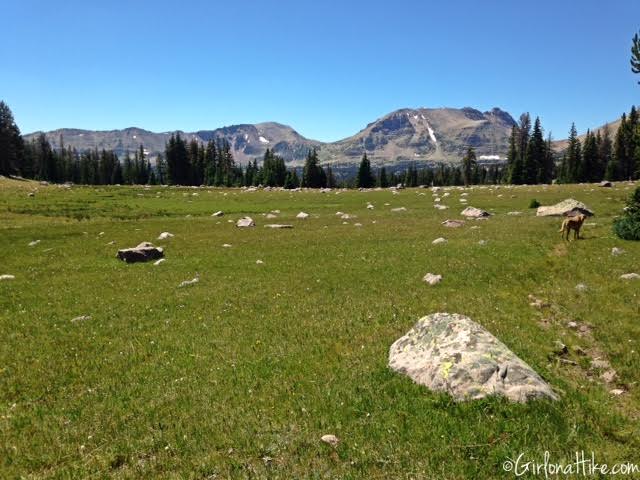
x,y
241,374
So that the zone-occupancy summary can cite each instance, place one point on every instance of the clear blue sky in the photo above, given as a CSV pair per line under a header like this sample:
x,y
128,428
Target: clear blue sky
x,y
325,67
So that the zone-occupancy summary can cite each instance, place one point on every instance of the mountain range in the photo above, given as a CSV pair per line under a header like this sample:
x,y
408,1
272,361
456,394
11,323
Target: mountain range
x,y
424,135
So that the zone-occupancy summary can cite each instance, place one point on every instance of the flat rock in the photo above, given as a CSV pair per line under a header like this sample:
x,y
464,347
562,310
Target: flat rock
x,y
399,209
440,207
165,235
451,353
630,276
615,251
219,213
453,223
188,283
605,183
568,207
245,222
7,277
144,252
432,278
438,241
302,215
473,212
330,440
278,225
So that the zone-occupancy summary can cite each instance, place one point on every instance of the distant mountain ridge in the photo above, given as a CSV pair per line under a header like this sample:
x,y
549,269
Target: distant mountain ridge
x,y
424,135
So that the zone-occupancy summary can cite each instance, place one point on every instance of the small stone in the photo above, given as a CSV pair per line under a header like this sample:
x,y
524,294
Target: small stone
x,y
630,276
609,376
259,262
7,277
573,325
165,235
432,278
399,209
34,243
302,215
158,262
219,213
581,287
482,242
453,223
438,241
245,222
600,364
226,245
330,440
615,251
278,225
187,283
81,318
616,392
440,207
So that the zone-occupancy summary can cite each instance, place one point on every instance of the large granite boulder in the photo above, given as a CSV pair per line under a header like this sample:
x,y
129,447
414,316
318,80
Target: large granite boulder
x,y
451,353
568,207
142,253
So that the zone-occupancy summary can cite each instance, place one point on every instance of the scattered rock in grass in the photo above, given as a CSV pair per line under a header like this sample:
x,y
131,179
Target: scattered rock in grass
x,y
453,223
615,251
399,209
600,364
605,183
357,224
226,245
259,262
338,213
278,225
31,194
7,277
560,348
219,213
440,207
370,207
245,222
144,252
630,276
271,216
482,242
34,243
346,216
609,376
188,283
616,392
581,287
572,325
302,215
432,278
537,303
438,241
81,318
165,235
451,353
158,262
101,234
514,213
330,440
568,207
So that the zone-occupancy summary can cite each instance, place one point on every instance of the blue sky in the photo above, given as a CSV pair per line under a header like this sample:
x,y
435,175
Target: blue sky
x,y
327,67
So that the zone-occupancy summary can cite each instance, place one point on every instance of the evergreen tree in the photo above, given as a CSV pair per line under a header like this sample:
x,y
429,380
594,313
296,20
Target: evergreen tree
x,y
514,166
635,54
469,163
365,177
312,174
534,156
383,182
11,143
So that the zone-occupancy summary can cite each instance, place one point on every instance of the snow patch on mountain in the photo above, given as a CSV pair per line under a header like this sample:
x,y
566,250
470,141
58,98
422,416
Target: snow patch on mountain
x,y
263,140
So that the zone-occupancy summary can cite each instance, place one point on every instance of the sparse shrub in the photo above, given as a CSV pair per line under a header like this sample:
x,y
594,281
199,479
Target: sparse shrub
x,y
534,203
627,227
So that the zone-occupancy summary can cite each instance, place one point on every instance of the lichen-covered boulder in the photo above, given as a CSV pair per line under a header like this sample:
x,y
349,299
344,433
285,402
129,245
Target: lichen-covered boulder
x,y
142,253
568,207
451,353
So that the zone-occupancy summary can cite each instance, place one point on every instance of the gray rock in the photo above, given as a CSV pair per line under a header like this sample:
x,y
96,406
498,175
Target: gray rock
x,y
605,183
219,213
245,222
473,212
302,215
630,276
453,223
330,440
399,209
432,278
568,207
278,225
438,241
615,251
142,253
451,353
7,277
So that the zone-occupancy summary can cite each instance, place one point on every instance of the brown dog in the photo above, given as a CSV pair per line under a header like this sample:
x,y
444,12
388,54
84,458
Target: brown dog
x,y
572,223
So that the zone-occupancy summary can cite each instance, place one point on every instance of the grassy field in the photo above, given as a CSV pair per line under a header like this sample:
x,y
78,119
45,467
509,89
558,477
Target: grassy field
x,y
239,375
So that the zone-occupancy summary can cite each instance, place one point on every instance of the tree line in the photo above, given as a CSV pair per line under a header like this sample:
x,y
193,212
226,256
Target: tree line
x,y
530,160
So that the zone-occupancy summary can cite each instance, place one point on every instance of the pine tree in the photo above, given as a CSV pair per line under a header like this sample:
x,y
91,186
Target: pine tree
x,y
383,182
11,143
312,174
587,171
469,163
535,156
365,177
635,54
514,167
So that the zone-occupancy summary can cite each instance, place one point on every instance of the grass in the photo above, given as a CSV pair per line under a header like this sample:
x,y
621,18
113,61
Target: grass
x,y
239,375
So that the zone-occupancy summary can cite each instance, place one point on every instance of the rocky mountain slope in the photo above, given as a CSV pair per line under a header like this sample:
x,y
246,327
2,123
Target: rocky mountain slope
x,y
423,135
